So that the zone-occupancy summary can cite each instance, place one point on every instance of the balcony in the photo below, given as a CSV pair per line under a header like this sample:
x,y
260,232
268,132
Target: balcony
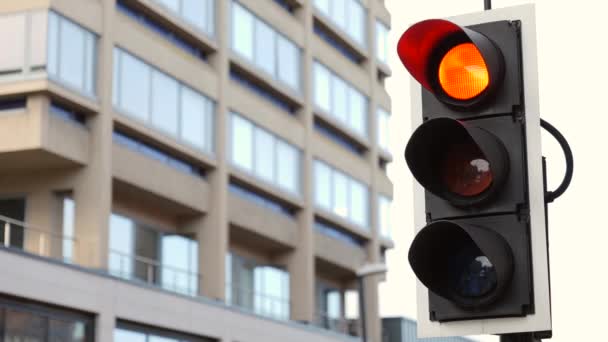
x,y
346,326
133,281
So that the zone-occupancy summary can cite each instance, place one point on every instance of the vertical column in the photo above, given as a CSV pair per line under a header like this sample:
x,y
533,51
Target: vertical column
x,y
213,231
43,214
301,263
373,323
93,185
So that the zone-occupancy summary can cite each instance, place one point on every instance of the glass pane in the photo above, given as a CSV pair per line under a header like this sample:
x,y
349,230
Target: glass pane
x,y
66,331
121,246
340,194
165,102
115,78
38,38
68,228
53,44
193,117
289,63
89,63
194,11
12,38
351,304
333,304
323,185
153,338
264,155
23,326
209,125
338,13
385,216
170,4
381,42
193,266
322,87
134,87
242,31
383,129
357,119
323,6
210,17
242,137
175,261
121,335
288,166
71,54
265,47
340,97
359,207
356,22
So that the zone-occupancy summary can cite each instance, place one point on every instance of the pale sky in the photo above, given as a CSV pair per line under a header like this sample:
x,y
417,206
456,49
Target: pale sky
x,y
572,42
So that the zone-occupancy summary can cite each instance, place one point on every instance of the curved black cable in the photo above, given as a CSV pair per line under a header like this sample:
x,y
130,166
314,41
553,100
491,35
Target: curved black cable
x,y
550,196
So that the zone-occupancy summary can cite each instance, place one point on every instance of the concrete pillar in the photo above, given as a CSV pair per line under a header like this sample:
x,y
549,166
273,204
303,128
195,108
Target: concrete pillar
x,y
93,186
44,217
301,263
213,231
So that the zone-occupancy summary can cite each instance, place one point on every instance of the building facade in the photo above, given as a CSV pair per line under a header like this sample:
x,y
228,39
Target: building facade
x,y
399,329
192,170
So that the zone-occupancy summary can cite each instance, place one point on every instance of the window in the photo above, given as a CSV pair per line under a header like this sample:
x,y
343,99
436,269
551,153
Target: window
x,y
342,47
382,42
264,155
69,212
141,252
27,321
383,129
131,332
261,200
126,7
24,38
347,15
262,289
338,233
338,193
72,54
384,216
198,13
158,155
144,93
259,43
14,210
340,100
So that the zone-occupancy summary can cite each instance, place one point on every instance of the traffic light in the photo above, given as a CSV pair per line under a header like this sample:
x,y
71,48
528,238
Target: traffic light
x,y
480,252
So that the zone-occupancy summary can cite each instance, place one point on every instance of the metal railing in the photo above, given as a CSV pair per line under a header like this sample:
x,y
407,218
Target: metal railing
x,y
341,325
153,272
259,303
20,235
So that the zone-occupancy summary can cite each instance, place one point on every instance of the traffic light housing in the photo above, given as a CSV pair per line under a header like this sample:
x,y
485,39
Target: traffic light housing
x,y
480,251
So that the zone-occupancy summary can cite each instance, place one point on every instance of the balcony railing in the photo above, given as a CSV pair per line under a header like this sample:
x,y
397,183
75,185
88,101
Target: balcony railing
x,y
260,303
341,325
27,238
153,272
19,235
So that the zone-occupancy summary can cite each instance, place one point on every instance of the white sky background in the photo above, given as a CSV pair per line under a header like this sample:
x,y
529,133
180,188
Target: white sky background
x,y
573,70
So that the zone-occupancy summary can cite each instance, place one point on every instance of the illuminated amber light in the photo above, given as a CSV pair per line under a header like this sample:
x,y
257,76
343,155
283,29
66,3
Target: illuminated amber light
x,y
463,73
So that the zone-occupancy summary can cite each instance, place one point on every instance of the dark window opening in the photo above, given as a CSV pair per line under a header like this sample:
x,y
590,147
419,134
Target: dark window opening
x,y
327,36
12,233
339,138
153,333
338,233
67,113
383,164
23,320
154,25
262,91
289,7
261,200
12,103
157,154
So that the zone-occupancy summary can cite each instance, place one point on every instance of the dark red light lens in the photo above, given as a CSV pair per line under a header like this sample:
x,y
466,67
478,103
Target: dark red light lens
x,y
465,170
